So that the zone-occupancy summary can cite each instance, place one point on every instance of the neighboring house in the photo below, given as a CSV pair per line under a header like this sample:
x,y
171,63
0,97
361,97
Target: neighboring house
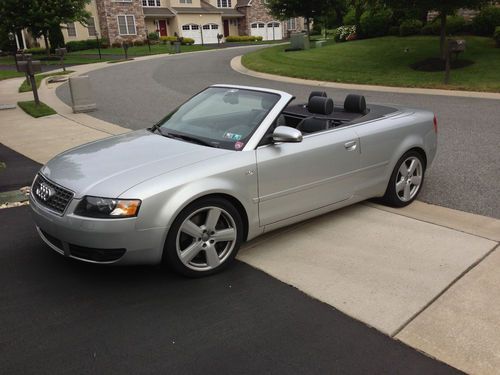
x,y
201,20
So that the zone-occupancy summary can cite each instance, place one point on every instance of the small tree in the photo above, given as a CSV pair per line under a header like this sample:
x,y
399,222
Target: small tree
x,y
444,7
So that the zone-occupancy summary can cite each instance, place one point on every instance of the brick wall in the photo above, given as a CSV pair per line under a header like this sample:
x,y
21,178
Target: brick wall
x,y
108,10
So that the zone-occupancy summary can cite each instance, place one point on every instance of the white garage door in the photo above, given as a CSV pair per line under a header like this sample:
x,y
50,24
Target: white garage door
x,y
258,29
210,32
192,31
274,31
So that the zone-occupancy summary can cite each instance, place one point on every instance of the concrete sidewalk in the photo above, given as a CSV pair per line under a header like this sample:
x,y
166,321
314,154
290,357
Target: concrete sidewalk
x,y
425,275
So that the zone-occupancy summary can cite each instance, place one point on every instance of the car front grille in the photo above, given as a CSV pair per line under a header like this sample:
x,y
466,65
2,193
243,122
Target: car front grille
x,y
50,195
96,255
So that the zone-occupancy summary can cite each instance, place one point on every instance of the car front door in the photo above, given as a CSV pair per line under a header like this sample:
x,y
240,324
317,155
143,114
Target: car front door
x,y
295,178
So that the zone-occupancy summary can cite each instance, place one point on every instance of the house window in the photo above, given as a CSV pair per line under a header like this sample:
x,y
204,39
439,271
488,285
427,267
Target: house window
x,y
71,29
186,1
215,27
91,26
126,25
291,24
186,27
224,3
151,3
206,27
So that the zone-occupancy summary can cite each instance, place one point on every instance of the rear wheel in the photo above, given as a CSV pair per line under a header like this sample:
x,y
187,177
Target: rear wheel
x,y
204,238
406,180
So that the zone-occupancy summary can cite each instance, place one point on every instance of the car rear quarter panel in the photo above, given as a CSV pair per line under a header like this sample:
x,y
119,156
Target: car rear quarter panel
x,y
384,141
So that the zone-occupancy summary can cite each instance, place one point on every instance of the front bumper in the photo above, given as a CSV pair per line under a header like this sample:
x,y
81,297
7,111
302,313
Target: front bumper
x,y
107,241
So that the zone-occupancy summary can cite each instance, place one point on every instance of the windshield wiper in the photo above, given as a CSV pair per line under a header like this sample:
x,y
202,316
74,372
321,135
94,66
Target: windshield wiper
x,y
187,138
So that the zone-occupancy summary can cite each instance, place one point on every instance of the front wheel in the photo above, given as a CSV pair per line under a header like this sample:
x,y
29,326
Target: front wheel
x,y
204,238
406,180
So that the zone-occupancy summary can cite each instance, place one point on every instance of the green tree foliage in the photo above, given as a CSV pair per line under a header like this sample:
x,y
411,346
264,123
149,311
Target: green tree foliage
x,y
41,16
311,9
444,7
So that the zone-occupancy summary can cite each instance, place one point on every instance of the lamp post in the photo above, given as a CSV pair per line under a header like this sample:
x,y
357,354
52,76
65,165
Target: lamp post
x,y
201,30
98,44
12,39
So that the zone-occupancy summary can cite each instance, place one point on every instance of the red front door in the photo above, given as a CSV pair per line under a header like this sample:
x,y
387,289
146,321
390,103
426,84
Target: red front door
x,y
226,28
162,24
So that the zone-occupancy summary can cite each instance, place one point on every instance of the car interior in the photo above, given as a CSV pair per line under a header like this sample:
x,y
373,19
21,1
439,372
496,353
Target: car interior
x,y
320,113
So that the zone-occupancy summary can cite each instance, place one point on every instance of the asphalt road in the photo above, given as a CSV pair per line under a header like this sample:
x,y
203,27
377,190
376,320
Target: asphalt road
x,y
464,175
62,317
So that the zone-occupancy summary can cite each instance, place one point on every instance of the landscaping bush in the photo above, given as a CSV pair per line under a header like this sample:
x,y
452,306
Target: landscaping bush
x,y
410,27
486,21
350,17
80,45
36,51
454,25
138,43
342,33
104,43
316,29
153,36
116,45
243,38
496,36
393,30
185,41
375,23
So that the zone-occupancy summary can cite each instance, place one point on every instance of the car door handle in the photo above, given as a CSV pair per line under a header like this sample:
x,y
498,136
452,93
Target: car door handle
x,y
351,145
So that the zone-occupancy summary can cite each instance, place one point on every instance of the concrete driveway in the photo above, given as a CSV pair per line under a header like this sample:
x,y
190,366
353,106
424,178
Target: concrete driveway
x,y
464,175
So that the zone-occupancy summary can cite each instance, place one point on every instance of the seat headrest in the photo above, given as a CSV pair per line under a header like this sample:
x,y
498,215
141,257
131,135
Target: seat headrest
x,y
355,103
313,124
320,105
317,93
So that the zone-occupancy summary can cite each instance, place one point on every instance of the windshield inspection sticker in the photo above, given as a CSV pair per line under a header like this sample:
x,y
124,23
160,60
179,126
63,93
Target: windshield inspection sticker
x,y
238,145
232,136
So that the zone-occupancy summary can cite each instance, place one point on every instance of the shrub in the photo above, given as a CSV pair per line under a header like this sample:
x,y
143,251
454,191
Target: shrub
x,y
342,33
393,30
496,36
375,23
36,51
316,29
185,41
410,27
116,45
350,17
454,25
138,43
486,21
153,36
104,43
243,38
80,45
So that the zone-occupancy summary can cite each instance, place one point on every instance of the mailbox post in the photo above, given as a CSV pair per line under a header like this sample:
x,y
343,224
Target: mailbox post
x,y
148,41
125,46
455,46
219,39
61,52
23,57
98,45
31,67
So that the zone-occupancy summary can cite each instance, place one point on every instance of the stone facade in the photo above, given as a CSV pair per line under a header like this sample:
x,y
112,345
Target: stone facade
x,y
257,12
109,10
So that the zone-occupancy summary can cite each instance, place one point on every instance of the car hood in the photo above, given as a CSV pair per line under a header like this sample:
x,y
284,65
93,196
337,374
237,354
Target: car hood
x,y
111,166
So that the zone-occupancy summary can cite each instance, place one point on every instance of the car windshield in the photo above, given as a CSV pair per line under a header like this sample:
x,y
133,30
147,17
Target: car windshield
x,y
219,117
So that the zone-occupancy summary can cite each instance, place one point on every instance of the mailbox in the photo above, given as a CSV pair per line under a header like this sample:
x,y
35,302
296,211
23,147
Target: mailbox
x,y
456,45
125,46
30,67
61,51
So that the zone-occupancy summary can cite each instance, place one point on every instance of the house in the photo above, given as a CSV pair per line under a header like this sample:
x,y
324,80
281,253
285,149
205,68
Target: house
x,y
202,20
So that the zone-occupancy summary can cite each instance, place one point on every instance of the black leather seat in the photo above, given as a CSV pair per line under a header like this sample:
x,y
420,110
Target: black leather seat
x,y
313,125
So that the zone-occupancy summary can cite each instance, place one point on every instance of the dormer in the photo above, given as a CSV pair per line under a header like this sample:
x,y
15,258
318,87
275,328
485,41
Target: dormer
x,y
185,3
223,4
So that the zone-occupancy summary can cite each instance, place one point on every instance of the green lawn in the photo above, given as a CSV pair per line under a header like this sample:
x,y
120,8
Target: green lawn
x,y
140,51
25,87
383,61
5,74
36,111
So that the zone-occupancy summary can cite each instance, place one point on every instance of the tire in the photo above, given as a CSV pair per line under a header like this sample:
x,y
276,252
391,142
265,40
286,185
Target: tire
x,y
204,238
406,180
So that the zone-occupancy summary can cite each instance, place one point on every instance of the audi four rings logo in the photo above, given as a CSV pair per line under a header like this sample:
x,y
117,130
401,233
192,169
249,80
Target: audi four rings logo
x,y
45,192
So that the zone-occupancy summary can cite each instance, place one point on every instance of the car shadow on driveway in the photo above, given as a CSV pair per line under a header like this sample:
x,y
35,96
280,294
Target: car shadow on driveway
x,y
61,316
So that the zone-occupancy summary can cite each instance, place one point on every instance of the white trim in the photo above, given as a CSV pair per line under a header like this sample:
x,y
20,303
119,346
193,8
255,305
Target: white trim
x,y
126,24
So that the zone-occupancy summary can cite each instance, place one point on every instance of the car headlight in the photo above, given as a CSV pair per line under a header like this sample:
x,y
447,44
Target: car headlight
x,y
107,207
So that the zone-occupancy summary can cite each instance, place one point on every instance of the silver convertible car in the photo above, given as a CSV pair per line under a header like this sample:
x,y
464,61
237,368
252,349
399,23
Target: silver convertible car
x,y
228,165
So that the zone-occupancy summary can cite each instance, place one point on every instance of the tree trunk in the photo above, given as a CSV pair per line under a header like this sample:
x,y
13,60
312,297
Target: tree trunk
x,y
308,28
46,40
358,7
442,38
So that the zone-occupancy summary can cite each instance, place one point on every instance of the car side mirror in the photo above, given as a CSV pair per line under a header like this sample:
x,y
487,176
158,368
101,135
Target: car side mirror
x,y
287,134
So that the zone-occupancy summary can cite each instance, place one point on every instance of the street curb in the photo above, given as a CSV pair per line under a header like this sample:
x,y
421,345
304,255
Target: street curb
x,y
237,66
